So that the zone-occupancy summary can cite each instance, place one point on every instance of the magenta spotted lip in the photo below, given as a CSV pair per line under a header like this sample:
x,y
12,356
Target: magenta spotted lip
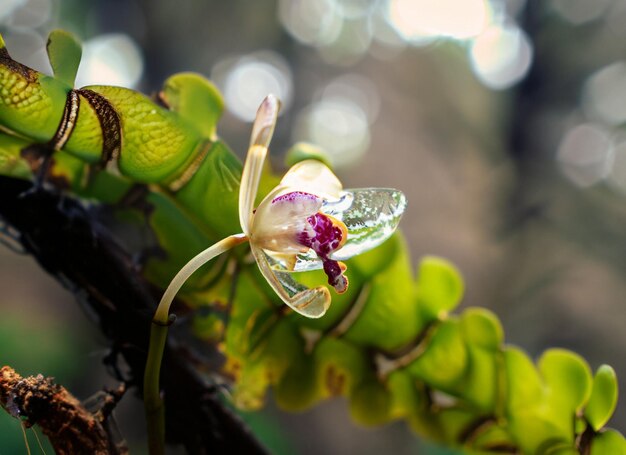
x,y
295,196
329,235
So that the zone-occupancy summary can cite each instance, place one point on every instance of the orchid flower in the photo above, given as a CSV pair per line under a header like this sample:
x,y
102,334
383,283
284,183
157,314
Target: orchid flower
x,y
307,222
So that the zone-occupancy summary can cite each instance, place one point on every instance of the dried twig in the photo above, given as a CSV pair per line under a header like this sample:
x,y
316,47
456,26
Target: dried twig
x,y
69,426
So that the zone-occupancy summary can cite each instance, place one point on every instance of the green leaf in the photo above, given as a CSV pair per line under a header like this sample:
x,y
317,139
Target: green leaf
x,y
340,365
297,389
370,403
559,448
304,151
535,433
480,385
490,436
608,442
64,53
11,162
482,328
525,390
568,378
454,422
439,287
406,398
196,99
209,328
603,397
376,260
445,358
388,319
169,229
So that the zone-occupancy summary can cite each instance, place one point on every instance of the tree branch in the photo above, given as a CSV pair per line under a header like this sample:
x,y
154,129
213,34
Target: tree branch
x,y
81,253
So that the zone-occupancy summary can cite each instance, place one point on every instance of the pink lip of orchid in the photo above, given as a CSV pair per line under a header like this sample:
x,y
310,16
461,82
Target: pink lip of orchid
x,y
308,221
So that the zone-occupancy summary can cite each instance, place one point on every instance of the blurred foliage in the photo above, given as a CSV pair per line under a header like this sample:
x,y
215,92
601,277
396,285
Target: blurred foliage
x,y
391,344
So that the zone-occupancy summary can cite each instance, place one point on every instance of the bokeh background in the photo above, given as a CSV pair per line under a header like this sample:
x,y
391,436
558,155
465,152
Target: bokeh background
x,y
502,121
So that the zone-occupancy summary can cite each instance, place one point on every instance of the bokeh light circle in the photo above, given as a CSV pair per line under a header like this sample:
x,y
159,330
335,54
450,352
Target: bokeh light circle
x,y
111,59
585,154
246,80
501,56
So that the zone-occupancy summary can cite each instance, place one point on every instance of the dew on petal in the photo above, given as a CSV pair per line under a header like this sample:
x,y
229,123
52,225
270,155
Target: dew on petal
x,y
371,219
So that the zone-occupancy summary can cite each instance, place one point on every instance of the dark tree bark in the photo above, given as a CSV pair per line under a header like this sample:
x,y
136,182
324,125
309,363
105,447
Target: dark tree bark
x,y
70,244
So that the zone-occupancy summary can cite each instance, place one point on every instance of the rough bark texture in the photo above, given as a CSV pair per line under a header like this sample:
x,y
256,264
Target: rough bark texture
x,y
67,241
70,428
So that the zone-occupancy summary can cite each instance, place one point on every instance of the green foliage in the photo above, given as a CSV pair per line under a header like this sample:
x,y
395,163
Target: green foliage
x,y
603,397
608,441
64,52
389,345
303,151
195,99
440,287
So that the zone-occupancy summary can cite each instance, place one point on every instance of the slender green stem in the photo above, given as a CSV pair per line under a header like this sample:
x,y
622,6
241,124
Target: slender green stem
x,y
153,404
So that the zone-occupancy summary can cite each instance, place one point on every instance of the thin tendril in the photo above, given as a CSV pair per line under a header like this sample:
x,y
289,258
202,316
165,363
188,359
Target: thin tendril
x,y
38,441
25,437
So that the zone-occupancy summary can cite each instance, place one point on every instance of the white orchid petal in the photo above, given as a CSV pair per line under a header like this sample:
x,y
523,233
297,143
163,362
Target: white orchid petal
x,y
281,218
250,178
264,122
312,176
311,303
262,131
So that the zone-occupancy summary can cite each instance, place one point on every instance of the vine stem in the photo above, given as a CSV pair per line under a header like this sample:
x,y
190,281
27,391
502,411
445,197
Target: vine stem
x,y
153,403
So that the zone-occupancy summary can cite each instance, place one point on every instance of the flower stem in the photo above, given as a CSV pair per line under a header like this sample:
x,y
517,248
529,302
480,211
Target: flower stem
x,y
153,404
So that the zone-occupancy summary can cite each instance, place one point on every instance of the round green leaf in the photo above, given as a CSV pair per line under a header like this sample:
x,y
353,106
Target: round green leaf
x,y
388,319
439,287
482,328
370,403
196,99
480,384
525,390
64,52
490,436
297,389
406,397
304,151
603,397
339,366
445,358
609,442
568,378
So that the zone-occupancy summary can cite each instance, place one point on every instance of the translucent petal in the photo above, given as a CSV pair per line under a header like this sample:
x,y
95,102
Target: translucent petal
x,y
262,131
371,216
312,176
301,262
281,217
311,303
